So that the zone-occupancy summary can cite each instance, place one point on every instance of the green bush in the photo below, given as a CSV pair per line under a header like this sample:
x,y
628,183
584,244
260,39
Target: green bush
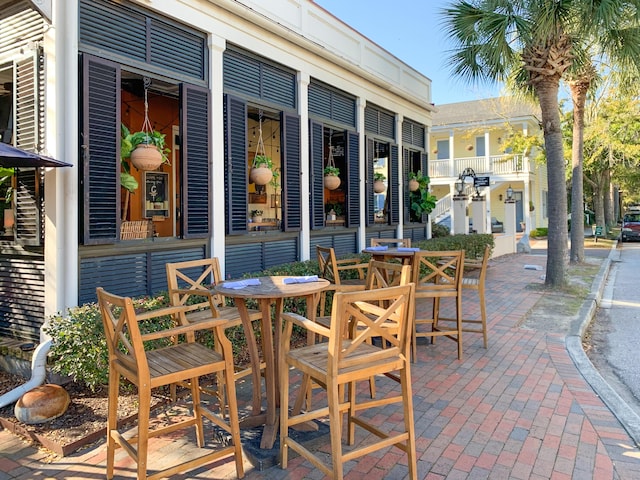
x,y
79,348
473,245
439,231
539,232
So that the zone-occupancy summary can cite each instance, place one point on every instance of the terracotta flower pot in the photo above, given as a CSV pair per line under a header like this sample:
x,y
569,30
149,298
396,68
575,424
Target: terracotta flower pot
x,y
331,182
146,157
378,186
413,185
260,175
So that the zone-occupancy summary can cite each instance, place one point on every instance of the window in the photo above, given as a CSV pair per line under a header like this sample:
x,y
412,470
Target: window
x,y
381,182
480,147
443,149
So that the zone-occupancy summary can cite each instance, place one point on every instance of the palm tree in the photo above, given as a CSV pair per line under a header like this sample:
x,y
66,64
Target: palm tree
x,y
528,40
533,43
612,35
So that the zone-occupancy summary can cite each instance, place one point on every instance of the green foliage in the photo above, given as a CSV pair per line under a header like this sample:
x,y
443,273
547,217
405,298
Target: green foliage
x,y
422,201
79,347
130,141
329,170
539,232
439,231
337,207
256,213
379,177
128,181
473,245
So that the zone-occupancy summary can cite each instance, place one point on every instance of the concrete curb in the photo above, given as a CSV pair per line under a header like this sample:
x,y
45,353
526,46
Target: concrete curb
x,y
573,342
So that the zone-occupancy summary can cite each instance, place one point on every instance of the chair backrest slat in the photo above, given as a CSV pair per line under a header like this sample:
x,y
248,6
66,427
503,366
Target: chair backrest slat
x,y
395,242
357,317
438,271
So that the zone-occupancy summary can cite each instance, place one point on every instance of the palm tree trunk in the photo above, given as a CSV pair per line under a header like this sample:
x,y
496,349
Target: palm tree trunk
x,y
579,91
557,252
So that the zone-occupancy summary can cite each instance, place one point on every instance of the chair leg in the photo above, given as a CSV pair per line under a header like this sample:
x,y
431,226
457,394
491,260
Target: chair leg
x,y
284,410
144,401
335,428
459,324
112,419
197,410
232,410
483,315
405,381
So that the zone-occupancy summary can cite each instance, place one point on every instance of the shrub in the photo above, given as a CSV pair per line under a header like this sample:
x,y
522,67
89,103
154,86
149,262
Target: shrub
x,y
539,232
439,231
79,347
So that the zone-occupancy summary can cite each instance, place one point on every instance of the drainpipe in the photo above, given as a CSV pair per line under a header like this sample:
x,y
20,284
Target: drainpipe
x,y
38,372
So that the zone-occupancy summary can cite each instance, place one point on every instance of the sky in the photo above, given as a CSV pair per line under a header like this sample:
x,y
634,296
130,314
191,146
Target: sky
x,y
398,26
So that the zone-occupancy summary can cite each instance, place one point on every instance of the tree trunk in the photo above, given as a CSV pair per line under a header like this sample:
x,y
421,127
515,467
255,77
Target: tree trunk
x,y
598,199
579,91
609,217
557,252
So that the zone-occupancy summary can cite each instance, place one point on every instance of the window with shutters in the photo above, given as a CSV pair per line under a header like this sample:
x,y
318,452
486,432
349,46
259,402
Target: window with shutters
x,y
380,178
125,200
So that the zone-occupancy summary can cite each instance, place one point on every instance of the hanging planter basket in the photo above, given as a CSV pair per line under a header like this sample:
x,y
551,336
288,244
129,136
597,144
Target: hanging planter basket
x,y
378,186
331,182
413,185
146,157
260,175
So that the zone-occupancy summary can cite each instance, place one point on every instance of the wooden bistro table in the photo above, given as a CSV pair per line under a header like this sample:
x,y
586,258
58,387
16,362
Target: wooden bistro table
x,y
404,254
270,290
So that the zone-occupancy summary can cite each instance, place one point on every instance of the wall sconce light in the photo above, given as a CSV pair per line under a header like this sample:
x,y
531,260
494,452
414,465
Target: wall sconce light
x,y
499,140
500,197
509,192
275,200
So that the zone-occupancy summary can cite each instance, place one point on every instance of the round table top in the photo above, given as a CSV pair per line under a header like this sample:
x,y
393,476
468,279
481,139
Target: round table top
x,y
390,252
273,287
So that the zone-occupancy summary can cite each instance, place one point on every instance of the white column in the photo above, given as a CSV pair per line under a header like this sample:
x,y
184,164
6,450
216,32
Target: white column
x,y
452,155
460,221
217,240
526,215
303,111
61,185
478,214
510,221
362,237
399,188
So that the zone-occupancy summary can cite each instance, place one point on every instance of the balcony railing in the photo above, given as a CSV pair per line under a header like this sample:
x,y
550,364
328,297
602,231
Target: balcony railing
x,y
494,164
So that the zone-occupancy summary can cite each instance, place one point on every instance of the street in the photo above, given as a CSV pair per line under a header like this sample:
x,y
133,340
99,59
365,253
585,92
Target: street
x,y
615,332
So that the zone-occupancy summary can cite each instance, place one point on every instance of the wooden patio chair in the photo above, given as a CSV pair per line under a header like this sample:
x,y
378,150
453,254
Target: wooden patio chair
x,y
346,358
190,283
391,242
475,283
165,363
438,275
331,268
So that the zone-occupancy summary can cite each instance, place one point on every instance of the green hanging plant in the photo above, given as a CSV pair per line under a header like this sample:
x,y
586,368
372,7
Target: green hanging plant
x,y
421,200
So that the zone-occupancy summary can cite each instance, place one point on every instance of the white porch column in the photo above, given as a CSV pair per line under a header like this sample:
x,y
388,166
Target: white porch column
x,y
399,188
61,185
303,111
510,222
362,237
452,155
478,214
217,240
460,221
526,215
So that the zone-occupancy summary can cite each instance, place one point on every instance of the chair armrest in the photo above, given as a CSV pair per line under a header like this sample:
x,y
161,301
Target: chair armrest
x,y
346,264
182,329
305,323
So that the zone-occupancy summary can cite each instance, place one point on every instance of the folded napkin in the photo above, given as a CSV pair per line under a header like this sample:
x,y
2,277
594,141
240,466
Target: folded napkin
x,y
303,279
378,248
408,249
241,283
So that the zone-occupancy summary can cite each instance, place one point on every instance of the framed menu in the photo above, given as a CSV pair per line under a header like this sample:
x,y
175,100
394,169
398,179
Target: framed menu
x,y
156,194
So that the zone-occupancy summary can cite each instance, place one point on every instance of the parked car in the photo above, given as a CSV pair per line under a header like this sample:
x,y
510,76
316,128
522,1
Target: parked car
x,y
630,226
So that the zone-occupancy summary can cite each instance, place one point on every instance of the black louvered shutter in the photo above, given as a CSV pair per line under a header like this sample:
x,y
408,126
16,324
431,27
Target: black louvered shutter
x,y
291,184
236,172
195,134
28,221
100,151
369,185
353,179
406,168
316,180
394,186
424,165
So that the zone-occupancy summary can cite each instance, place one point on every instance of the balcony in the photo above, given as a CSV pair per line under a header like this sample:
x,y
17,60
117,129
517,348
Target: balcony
x,y
504,164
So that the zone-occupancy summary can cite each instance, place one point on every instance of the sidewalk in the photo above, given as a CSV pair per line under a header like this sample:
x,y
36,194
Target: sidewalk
x,y
520,409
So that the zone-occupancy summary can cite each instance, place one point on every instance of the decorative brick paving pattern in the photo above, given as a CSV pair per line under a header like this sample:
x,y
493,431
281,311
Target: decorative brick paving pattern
x,y
517,410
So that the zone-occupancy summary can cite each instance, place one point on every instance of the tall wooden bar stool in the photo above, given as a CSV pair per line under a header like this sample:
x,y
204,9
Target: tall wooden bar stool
x,y
165,362
345,359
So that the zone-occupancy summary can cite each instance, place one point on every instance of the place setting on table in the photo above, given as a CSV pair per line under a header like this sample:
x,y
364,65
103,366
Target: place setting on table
x,y
385,252
268,291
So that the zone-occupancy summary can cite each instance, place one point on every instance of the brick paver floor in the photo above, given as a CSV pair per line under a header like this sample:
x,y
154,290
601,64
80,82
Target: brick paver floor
x,y
518,410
